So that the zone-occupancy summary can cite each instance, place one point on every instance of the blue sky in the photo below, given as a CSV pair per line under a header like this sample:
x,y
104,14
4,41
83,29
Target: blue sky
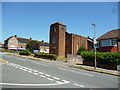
x,y
33,19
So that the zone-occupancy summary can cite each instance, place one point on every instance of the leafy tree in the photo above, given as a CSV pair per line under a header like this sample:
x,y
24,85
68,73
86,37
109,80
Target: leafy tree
x,y
33,45
81,49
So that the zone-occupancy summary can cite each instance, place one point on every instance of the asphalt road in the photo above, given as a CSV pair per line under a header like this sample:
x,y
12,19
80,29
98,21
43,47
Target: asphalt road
x,y
27,73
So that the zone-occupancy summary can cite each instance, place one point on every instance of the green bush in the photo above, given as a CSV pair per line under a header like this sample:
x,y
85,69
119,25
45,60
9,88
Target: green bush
x,y
109,58
12,51
46,55
81,49
25,52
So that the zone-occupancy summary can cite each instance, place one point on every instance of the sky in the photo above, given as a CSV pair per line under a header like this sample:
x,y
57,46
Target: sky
x,y
33,19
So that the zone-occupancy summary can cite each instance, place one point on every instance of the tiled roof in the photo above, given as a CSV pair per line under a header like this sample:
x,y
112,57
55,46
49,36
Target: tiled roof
x,y
24,40
109,35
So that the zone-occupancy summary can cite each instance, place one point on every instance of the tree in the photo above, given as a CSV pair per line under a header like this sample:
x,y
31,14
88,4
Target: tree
x,y
81,49
33,45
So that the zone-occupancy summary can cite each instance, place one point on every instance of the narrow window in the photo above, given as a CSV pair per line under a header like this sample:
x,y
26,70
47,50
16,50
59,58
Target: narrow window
x,y
54,39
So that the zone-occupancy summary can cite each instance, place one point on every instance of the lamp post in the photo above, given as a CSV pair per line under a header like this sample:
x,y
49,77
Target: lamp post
x,y
95,44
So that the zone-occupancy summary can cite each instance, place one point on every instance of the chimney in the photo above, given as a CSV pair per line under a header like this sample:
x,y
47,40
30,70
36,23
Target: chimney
x,y
15,35
42,40
30,38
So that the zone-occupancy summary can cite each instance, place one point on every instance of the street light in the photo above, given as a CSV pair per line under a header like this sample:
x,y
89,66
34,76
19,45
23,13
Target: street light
x,y
95,43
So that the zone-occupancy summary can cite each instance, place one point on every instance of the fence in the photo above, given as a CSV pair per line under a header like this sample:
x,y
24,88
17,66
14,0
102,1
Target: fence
x,y
74,59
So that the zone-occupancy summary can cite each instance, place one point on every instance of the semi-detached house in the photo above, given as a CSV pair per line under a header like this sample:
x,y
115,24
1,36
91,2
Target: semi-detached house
x,y
109,42
18,43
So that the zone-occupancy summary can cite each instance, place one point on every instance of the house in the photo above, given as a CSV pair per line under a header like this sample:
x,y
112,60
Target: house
x,y
109,41
1,45
62,43
18,43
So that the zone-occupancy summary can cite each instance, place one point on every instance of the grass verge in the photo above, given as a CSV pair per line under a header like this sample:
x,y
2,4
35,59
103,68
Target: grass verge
x,y
61,59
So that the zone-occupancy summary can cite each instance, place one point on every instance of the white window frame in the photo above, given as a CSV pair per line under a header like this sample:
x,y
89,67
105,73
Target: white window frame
x,y
109,42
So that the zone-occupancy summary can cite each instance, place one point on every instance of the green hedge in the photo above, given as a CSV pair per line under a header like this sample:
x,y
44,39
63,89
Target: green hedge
x,y
12,51
25,52
109,58
46,55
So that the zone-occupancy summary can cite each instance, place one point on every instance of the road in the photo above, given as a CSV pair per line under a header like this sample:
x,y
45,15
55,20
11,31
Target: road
x,y
27,73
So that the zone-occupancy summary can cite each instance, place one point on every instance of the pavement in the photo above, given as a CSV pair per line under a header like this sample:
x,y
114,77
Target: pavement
x,y
21,72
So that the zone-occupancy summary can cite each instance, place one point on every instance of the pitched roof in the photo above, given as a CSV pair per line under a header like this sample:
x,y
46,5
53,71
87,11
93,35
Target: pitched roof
x,y
109,35
58,23
24,40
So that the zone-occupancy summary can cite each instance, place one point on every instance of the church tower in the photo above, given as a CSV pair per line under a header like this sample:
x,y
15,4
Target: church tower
x,y
57,39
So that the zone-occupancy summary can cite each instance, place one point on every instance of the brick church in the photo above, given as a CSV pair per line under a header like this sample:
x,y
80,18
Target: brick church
x,y
62,43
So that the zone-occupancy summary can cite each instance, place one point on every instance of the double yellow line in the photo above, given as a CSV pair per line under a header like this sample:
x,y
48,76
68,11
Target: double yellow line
x,y
2,61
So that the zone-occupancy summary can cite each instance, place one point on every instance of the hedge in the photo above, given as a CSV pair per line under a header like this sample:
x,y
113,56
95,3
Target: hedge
x,y
46,55
25,52
109,58
12,51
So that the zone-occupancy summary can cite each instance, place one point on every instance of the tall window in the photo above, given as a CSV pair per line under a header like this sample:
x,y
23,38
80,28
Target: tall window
x,y
54,39
54,29
77,47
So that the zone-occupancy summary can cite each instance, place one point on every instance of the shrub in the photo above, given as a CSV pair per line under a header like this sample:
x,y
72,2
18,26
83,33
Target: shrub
x,y
46,55
12,51
80,50
25,52
109,58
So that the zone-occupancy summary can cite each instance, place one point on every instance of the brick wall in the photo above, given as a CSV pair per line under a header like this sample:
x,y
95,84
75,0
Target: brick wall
x,y
108,49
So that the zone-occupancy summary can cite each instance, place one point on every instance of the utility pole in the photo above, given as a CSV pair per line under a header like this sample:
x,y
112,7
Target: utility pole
x,y
95,44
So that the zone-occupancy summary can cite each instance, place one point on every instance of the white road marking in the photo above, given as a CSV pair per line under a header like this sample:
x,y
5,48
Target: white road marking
x,y
42,76
47,75
35,70
50,79
17,84
59,82
65,81
40,72
30,71
75,72
78,85
56,78
35,73
20,68
24,69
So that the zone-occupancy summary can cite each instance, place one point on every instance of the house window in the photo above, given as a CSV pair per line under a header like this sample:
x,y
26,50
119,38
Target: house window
x,y
54,29
54,39
12,45
11,41
106,43
113,42
109,43
62,28
97,45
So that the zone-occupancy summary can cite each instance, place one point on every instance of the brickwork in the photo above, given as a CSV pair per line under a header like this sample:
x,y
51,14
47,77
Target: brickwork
x,y
66,43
